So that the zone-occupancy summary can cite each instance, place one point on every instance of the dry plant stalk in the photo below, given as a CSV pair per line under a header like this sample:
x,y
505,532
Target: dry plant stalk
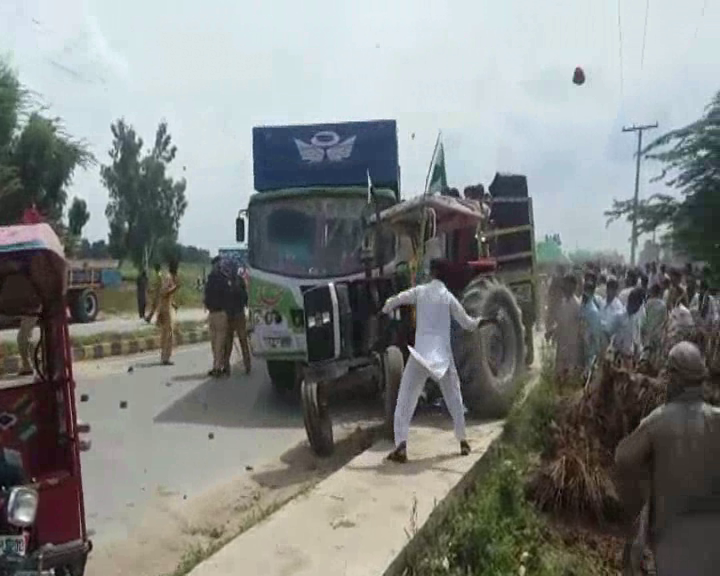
x,y
576,474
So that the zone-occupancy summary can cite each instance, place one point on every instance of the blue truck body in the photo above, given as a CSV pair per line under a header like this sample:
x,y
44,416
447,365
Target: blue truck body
x,y
326,155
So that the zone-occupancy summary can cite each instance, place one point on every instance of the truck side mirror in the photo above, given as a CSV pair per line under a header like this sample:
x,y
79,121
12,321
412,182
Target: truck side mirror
x,y
240,229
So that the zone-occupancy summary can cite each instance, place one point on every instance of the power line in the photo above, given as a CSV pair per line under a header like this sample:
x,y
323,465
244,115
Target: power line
x,y
620,37
642,54
634,235
702,15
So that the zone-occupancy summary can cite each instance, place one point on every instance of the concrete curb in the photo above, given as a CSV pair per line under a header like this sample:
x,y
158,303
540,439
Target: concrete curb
x,y
117,346
427,532
444,508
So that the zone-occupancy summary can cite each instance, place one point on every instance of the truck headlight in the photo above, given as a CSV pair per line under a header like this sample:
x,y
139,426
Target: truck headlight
x,y
22,507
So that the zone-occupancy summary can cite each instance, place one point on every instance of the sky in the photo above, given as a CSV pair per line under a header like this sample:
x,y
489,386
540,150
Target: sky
x,y
495,77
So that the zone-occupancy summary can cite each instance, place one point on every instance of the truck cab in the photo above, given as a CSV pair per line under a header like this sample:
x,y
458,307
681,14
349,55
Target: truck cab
x,y
304,224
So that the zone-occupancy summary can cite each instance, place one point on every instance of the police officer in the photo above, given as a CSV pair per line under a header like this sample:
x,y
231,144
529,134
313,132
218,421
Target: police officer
x,y
235,308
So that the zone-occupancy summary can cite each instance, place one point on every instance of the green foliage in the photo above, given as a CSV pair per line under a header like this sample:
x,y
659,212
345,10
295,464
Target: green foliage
x,y
691,165
584,256
548,251
496,530
528,424
37,157
146,205
78,216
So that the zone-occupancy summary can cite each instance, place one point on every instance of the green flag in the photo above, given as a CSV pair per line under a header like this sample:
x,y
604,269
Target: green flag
x,y
437,177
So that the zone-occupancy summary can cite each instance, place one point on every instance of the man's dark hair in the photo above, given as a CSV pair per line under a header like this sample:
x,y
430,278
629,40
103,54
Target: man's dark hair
x,y
570,281
631,277
157,267
215,260
635,300
656,291
173,267
437,266
474,192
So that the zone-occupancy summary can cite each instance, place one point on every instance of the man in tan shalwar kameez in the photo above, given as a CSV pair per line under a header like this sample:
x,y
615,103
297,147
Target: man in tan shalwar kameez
x,y
672,463
568,332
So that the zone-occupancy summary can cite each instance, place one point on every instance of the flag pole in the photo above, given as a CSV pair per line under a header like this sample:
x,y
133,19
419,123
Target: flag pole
x,y
432,161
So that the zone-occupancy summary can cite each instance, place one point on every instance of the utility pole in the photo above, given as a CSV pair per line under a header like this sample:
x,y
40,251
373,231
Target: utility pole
x,y
639,130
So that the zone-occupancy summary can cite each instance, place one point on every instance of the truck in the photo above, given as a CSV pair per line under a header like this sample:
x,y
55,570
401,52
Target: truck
x,y
85,279
304,225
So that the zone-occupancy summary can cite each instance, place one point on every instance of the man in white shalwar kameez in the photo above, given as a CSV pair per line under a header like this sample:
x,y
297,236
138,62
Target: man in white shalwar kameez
x,y
432,356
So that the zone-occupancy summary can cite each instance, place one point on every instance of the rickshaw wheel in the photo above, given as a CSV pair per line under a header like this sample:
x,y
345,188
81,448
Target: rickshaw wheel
x,y
77,568
318,424
393,365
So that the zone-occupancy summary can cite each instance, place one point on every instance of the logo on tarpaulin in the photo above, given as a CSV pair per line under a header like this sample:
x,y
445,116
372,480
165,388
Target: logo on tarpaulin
x,y
325,144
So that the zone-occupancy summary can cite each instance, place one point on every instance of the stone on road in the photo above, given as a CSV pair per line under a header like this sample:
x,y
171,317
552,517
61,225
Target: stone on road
x,y
119,324
158,444
180,460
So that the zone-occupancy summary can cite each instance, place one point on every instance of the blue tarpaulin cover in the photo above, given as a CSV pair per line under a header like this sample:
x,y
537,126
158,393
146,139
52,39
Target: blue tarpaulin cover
x,y
338,154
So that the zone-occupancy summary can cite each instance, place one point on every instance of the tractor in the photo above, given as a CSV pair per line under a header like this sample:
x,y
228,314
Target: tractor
x,y
351,344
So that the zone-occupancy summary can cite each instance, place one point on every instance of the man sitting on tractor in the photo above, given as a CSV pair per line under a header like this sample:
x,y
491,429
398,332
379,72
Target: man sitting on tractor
x,y
432,356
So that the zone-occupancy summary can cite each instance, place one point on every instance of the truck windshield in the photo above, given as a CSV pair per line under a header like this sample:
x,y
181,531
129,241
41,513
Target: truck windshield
x,y
311,237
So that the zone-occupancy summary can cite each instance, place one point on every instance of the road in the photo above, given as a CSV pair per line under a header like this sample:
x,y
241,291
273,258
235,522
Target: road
x,y
114,324
161,442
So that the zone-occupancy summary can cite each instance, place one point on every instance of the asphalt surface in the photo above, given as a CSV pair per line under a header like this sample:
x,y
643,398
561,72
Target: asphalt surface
x,y
180,432
114,324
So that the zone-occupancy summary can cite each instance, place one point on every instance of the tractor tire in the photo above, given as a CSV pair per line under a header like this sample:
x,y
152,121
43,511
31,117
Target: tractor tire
x,y
490,377
393,365
284,375
318,424
84,306
529,344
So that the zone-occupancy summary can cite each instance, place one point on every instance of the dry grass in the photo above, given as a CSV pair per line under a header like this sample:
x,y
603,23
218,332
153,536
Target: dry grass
x,y
575,477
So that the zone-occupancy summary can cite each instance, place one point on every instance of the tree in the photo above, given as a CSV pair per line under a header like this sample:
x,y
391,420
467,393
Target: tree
x,y
146,205
691,165
37,157
606,257
78,216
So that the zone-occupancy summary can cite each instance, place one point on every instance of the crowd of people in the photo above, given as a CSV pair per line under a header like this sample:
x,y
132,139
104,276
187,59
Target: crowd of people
x,y
657,321
638,312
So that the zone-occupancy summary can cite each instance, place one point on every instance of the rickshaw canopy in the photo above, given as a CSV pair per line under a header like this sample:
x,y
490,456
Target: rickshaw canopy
x,y
33,272
450,213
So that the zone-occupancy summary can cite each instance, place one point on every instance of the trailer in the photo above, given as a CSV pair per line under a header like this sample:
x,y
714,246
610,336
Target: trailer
x,y
84,283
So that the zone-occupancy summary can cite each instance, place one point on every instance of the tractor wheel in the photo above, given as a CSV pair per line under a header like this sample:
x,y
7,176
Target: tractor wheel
x,y
283,375
529,344
84,306
316,415
393,365
490,360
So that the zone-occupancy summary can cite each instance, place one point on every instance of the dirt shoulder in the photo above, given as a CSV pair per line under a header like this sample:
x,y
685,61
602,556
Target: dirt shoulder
x,y
176,534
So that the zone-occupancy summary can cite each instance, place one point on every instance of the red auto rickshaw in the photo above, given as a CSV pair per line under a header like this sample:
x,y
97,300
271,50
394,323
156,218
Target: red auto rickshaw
x,y
42,514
